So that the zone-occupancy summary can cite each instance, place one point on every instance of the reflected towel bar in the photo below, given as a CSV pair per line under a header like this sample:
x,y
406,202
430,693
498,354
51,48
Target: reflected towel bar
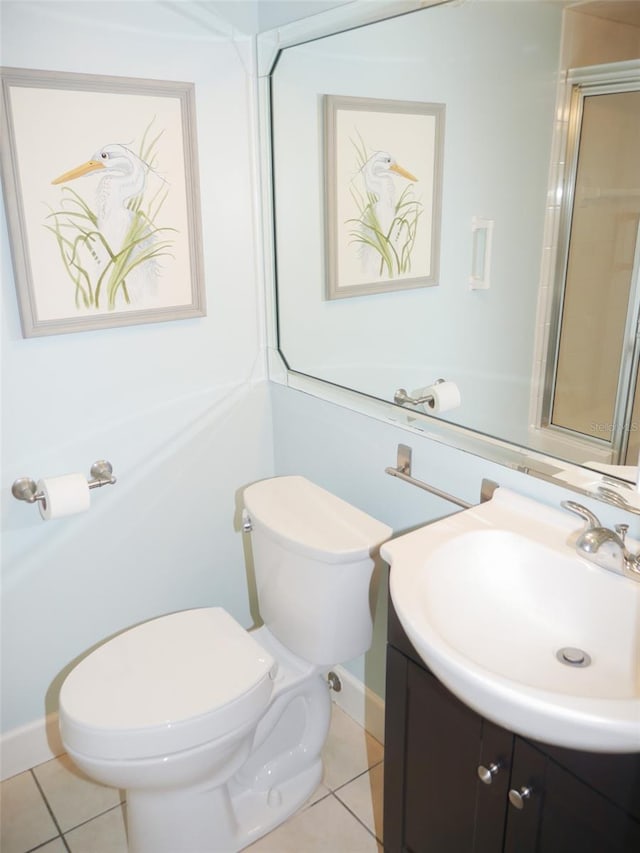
x,y
403,472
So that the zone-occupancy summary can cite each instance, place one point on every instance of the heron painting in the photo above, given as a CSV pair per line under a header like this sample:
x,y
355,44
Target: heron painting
x,y
383,175
102,191
111,247
385,231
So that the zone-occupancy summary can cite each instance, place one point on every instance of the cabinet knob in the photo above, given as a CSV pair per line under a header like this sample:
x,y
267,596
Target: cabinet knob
x,y
486,774
517,798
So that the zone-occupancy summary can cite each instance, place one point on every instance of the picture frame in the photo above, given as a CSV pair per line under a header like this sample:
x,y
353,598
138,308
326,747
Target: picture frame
x,y
383,162
115,241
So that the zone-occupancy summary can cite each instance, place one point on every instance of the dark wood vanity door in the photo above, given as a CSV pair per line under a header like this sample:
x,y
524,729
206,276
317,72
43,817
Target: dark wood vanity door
x,y
564,814
395,747
440,768
578,818
491,809
527,773
434,746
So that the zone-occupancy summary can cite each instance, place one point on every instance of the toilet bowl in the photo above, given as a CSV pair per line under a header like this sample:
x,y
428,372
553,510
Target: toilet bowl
x,y
215,732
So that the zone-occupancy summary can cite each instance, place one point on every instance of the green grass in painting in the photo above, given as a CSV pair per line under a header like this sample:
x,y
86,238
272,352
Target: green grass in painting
x,y
75,228
394,244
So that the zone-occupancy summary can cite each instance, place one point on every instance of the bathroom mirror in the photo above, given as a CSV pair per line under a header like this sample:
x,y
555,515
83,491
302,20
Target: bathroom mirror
x,y
492,322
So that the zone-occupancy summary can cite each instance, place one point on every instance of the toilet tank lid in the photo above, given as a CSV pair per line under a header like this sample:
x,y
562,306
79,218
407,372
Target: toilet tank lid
x,y
312,520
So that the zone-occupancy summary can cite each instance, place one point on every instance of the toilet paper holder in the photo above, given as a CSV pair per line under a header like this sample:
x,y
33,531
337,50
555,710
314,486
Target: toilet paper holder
x,y
401,398
25,489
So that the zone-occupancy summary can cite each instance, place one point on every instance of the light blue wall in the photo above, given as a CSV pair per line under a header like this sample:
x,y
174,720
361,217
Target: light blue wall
x,y
181,409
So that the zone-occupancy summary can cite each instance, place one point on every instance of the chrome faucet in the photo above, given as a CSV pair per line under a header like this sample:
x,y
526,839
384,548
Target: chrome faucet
x,y
606,548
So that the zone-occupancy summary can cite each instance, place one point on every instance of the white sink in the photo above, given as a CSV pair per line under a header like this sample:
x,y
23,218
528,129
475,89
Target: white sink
x,y
490,596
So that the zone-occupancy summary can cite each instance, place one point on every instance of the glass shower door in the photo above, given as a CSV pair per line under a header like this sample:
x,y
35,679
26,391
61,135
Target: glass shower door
x,y
597,352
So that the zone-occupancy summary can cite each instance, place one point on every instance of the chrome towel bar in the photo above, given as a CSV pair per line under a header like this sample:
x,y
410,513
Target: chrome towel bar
x,y
403,472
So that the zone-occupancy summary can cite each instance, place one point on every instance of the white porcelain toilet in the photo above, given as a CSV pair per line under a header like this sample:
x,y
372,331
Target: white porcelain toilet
x,y
215,732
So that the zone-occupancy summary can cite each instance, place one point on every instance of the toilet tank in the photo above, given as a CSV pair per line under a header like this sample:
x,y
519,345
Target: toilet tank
x,y
313,556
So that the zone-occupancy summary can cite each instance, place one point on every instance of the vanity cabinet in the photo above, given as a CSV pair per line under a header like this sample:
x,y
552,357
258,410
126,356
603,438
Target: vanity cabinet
x,y
436,749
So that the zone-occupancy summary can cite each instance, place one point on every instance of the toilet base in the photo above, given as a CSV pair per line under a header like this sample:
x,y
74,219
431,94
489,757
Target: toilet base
x,y
261,811
210,820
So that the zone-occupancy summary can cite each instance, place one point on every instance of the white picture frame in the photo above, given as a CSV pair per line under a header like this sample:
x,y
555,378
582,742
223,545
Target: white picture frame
x,y
116,240
383,189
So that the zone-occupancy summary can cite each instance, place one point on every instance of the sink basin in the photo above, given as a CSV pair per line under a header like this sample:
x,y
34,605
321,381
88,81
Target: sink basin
x,y
523,630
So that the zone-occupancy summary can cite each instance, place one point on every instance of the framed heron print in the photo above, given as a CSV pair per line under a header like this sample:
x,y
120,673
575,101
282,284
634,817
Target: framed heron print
x,y
383,186
100,178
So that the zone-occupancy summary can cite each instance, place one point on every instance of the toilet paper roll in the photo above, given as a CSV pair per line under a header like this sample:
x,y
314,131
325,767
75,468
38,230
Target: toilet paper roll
x,y
446,396
66,495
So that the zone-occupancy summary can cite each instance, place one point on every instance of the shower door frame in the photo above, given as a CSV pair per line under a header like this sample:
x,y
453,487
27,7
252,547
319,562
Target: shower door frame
x,y
612,78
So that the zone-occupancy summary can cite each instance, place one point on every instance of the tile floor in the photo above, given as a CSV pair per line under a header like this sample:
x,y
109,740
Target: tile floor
x,y
54,809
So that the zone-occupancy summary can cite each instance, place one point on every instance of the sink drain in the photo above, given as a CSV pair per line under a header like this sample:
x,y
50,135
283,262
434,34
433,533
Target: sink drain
x,y
571,656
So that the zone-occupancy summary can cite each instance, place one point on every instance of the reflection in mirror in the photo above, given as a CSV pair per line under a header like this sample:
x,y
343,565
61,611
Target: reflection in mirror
x,y
593,382
488,325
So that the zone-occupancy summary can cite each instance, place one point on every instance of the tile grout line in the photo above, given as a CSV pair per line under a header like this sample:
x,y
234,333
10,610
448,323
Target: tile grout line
x,y
358,776
62,833
95,817
355,816
334,793
46,844
50,810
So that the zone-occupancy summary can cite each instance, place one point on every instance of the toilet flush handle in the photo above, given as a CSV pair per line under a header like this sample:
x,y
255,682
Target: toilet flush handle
x,y
247,527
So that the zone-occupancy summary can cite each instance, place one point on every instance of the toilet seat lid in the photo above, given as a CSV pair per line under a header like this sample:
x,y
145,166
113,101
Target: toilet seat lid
x,y
169,684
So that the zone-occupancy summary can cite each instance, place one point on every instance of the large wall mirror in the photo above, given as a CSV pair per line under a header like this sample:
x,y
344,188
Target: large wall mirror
x,y
526,184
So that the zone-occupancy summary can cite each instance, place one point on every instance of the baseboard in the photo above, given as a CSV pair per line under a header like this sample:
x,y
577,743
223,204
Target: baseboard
x,y
30,745
360,703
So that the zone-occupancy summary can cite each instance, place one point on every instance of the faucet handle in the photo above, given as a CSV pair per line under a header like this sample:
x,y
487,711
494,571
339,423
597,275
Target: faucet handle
x,y
583,512
621,530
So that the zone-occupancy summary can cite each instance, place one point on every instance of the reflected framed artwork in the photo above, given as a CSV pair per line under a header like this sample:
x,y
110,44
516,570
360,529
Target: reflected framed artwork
x,y
383,189
100,178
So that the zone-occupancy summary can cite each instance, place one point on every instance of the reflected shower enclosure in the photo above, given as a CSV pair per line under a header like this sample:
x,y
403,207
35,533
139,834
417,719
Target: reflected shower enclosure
x,y
593,384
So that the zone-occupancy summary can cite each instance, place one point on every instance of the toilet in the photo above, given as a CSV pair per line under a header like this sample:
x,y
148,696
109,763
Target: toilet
x,y
214,731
